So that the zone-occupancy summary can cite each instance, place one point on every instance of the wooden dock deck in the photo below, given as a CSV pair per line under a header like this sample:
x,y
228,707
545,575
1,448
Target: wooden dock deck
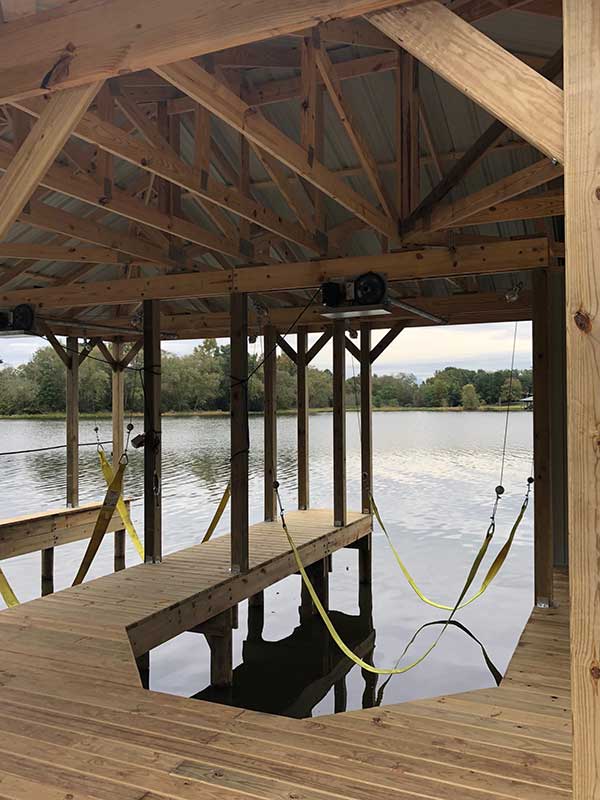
x,y
77,725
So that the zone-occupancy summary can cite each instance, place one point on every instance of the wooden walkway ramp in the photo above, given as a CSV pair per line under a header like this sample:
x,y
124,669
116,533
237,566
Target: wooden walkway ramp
x,y
76,724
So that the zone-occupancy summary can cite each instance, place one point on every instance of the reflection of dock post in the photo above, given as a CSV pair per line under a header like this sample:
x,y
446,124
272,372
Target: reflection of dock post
x,y
143,665
256,616
370,679
318,574
340,696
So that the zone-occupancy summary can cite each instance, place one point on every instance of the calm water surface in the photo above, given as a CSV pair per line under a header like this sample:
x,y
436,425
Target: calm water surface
x,y
434,479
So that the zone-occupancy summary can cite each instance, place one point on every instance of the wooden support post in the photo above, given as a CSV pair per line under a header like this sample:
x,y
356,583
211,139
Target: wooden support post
x,y
407,135
339,423
239,432
152,427
72,454
366,449
73,422
221,659
118,413
544,561
303,423
558,417
270,421
582,156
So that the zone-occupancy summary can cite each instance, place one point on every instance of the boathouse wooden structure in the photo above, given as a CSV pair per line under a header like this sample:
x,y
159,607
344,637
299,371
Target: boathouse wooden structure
x,y
198,169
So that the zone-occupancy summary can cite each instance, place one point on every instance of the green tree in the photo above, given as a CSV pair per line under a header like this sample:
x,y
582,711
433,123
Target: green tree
x,y
511,391
469,397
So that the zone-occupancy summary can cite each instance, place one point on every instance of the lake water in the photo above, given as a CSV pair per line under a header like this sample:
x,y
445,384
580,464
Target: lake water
x,y
434,479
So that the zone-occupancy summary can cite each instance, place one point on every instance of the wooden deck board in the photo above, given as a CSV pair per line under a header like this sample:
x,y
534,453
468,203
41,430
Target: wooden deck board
x,y
83,728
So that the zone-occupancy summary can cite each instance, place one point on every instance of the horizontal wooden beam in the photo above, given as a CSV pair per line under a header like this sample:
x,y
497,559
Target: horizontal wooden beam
x,y
211,93
80,42
277,91
49,252
504,256
473,307
49,218
474,64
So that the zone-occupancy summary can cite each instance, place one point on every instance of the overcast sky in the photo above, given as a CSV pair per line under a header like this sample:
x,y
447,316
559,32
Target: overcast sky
x,y
417,350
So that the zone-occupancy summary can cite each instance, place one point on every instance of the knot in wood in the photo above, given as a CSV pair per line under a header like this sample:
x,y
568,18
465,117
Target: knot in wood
x,y
583,321
595,672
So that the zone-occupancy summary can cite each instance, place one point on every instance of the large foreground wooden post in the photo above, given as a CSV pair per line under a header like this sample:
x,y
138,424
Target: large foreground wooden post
x,y
303,430
339,423
239,432
270,418
152,428
544,558
118,413
582,207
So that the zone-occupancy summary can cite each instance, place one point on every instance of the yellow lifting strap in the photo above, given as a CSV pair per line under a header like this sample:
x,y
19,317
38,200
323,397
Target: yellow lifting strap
x,y
363,664
7,593
104,517
108,473
491,573
218,513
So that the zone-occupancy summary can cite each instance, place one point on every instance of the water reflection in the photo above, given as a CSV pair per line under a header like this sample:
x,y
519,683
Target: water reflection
x,y
434,479
292,675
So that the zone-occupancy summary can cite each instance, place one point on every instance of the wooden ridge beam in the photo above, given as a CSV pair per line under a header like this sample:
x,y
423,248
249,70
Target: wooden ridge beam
x,y
475,65
41,146
205,89
82,42
158,157
504,256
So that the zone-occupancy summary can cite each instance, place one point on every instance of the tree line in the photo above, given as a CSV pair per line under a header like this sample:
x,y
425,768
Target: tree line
x,y
199,382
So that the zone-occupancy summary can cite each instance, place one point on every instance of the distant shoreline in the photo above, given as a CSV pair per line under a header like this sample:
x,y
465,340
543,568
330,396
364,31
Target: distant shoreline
x,y
104,415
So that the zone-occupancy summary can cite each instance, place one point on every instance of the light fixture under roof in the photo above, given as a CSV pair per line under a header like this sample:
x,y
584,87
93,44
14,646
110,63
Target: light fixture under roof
x,y
352,312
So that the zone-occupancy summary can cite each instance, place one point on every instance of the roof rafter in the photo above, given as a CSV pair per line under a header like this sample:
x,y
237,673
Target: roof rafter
x,y
164,162
110,38
369,165
205,89
41,146
525,101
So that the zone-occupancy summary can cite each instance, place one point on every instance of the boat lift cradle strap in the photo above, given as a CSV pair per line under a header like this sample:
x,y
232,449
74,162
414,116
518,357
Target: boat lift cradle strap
x,y
113,493
6,592
218,513
108,473
344,647
492,571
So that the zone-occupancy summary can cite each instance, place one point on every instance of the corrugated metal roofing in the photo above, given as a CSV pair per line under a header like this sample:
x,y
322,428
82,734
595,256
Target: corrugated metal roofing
x,y
455,123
